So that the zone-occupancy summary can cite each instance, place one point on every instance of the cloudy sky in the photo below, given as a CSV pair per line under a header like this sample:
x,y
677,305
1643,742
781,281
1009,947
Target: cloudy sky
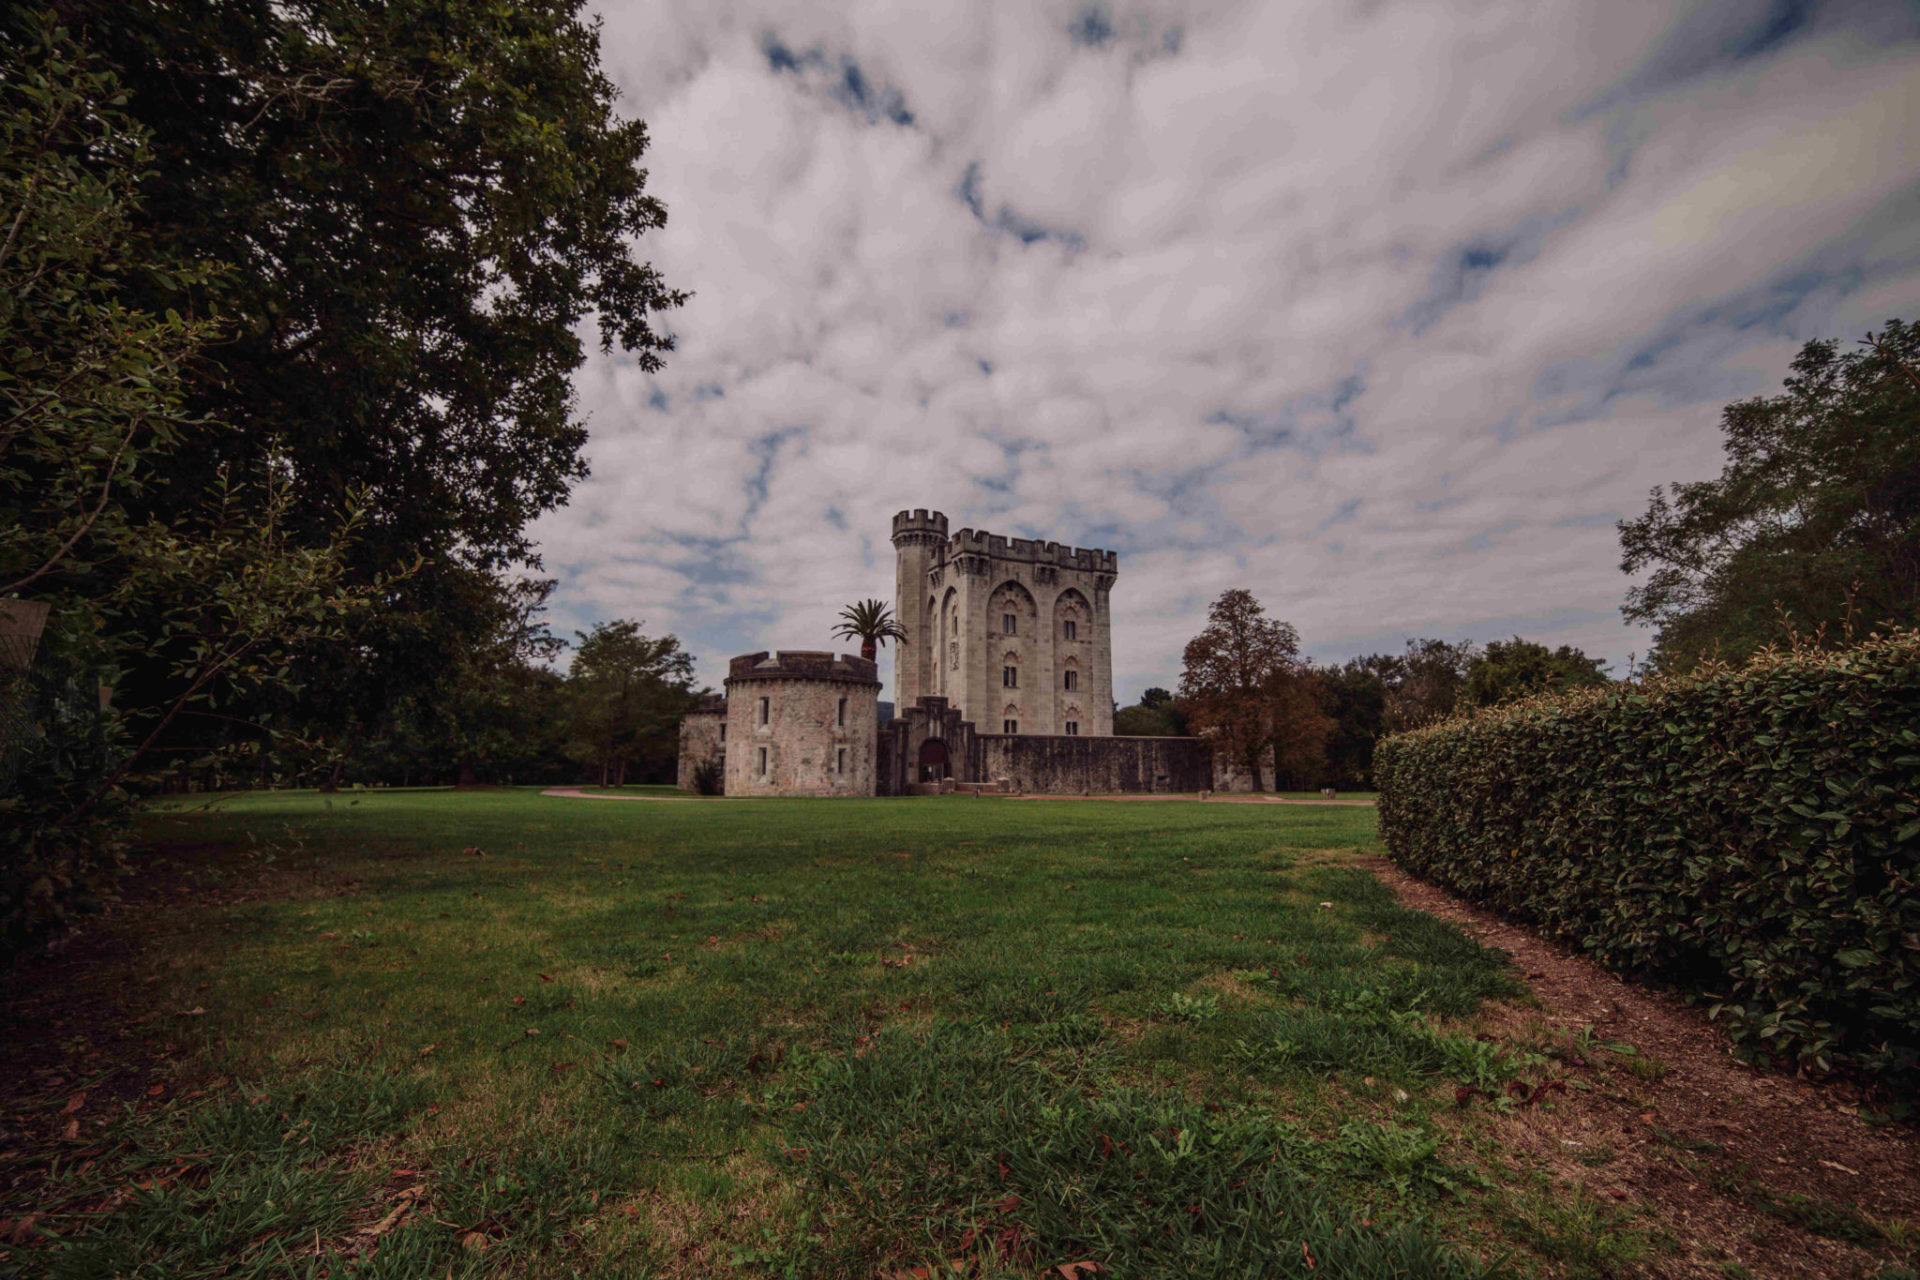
x,y
1384,309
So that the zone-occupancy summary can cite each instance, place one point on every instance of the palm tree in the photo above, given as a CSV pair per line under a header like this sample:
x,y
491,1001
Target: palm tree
x,y
872,621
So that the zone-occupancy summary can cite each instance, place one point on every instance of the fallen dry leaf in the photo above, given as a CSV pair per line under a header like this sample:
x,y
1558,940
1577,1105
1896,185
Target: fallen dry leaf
x,y
1074,1270
194,1012
72,1129
533,1031
429,1049
519,1000
74,1103
474,1241
546,977
473,851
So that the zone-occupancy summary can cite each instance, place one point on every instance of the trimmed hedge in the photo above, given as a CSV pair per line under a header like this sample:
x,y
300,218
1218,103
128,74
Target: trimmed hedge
x,y
1751,834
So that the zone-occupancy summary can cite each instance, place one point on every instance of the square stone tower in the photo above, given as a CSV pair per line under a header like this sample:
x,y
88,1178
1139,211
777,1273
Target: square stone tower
x,y
1016,634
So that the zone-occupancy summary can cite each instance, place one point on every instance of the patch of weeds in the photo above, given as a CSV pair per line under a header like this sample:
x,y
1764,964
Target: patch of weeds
x,y
1181,1007
1821,1216
936,1146
1599,1153
1568,1225
1682,1143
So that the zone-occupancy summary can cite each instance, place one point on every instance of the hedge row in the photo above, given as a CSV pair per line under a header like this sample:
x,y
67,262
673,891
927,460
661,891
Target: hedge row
x,y
1751,834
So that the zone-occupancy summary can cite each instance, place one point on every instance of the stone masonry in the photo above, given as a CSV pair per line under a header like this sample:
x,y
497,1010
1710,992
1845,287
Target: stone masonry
x,y
703,736
801,723
1016,635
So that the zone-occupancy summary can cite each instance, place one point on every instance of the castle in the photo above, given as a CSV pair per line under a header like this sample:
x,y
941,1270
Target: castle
x,y
1004,682
1004,629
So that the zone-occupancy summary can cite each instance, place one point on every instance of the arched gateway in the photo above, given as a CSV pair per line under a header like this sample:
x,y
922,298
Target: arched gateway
x,y
934,763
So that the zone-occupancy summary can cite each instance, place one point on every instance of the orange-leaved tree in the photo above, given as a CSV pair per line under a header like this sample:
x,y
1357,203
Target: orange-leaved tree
x,y
1231,670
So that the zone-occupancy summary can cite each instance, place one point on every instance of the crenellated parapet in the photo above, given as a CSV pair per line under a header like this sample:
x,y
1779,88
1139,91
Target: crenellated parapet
x,y
919,527
803,664
992,546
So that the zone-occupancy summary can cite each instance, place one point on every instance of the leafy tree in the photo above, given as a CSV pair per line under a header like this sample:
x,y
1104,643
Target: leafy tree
x,y
1510,669
1229,675
1356,698
209,601
1814,523
1421,685
625,695
871,622
1156,715
419,204
496,711
1298,701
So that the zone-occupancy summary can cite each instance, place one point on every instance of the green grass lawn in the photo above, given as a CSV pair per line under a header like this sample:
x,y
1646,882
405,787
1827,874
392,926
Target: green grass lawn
x,y
808,1038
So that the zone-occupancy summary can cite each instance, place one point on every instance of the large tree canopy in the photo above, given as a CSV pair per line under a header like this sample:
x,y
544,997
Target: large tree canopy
x,y
1230,673
1815,521
420,201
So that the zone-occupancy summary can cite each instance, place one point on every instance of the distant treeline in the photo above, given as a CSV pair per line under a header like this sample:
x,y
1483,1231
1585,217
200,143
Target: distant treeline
x,y
1316,725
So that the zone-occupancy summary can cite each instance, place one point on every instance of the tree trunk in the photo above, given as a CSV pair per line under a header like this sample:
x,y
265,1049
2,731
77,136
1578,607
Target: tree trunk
x,y
332,784
1253,767
868,649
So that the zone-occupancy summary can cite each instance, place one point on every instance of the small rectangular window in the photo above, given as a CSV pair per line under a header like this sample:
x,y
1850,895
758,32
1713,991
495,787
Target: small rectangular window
x,y
1073,728
1071,677
766,710
1072,628
1010,677
723,733
841,765
1008,624
1009,726
763,761
843,711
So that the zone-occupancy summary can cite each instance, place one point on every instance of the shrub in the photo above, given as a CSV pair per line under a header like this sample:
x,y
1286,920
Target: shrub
x,y
710,777
1750,833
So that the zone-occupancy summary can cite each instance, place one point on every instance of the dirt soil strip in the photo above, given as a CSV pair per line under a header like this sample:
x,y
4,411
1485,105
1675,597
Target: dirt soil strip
x,y
1701,1144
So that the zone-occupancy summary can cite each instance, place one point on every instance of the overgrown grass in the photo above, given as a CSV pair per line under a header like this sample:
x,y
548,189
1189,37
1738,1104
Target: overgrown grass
x,y
836,1038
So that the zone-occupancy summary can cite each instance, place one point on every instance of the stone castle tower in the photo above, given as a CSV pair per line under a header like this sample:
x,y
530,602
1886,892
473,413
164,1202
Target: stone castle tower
x,y
1015,634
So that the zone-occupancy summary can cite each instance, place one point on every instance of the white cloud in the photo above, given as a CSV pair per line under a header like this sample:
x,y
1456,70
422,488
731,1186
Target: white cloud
x,y
1272,295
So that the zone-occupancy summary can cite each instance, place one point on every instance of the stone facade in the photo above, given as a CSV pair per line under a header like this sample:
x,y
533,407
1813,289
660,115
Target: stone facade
x,y
801,724
1016,635
703,736
929,744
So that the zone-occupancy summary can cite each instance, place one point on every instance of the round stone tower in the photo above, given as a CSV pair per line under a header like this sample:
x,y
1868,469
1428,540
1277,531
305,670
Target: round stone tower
x,y
801,724
920,543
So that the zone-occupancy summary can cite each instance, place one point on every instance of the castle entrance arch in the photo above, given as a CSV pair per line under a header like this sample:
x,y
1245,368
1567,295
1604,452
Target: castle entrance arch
x,y
934,764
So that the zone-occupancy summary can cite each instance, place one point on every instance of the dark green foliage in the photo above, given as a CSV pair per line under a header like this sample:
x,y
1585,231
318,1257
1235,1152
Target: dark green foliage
x,y
1814,523
1156,715
1750,833
1509,669
710,777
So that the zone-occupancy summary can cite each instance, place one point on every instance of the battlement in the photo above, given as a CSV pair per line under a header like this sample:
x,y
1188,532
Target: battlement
x,y
803,664
710,704
919,525
978,542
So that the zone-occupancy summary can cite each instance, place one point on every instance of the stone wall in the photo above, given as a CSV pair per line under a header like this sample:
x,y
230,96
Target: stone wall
x,y
1050,765
702,737
801,723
